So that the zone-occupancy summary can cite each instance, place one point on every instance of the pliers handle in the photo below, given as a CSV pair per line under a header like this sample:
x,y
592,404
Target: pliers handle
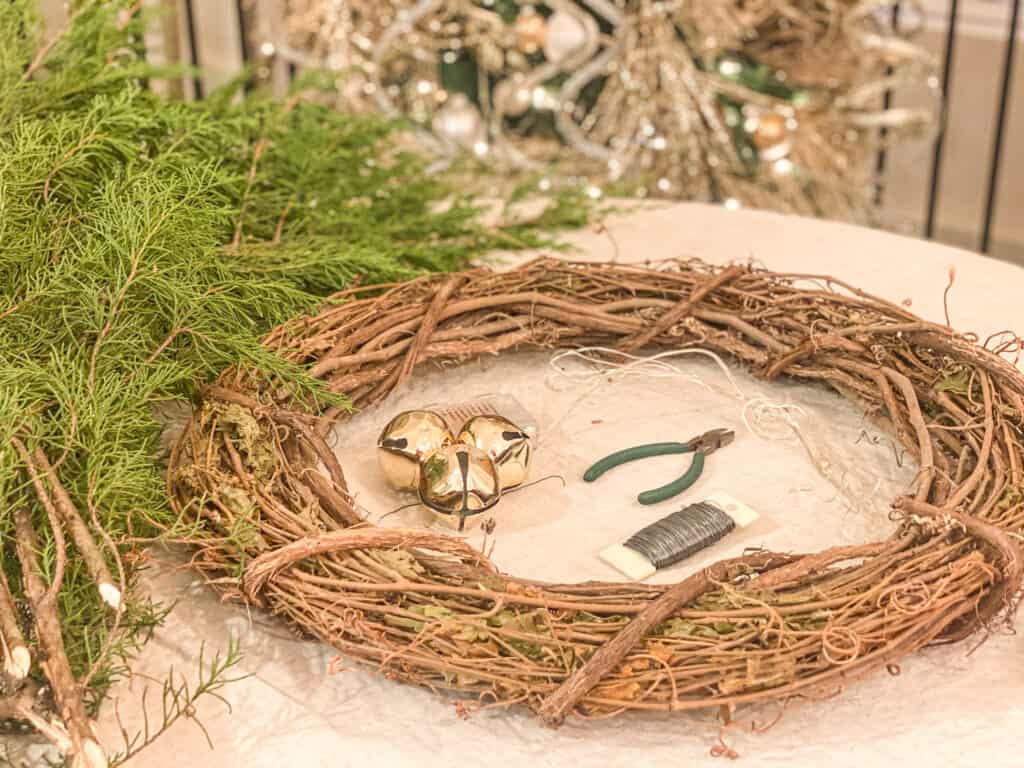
x,y
699,446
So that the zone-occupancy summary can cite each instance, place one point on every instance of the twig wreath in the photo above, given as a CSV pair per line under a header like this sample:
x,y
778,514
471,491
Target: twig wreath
x,y
275,524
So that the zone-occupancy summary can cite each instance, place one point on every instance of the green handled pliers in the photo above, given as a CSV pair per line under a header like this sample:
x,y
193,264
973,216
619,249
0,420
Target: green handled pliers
x,y
700,447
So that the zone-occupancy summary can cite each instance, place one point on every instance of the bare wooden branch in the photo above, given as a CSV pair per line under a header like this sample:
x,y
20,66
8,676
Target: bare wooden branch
x,y
17,658
84,748
91,553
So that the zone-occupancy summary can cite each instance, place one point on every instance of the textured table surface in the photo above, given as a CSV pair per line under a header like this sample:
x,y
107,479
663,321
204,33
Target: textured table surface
x,y
948,707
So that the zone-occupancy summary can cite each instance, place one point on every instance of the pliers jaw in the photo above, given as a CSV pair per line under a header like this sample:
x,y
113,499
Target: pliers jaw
x,y
711,441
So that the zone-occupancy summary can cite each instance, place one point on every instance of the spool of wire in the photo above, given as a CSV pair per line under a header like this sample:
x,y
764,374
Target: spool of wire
x,y
681,534
678,536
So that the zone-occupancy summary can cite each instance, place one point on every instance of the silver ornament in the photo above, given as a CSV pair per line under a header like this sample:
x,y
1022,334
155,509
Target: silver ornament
x,y
458,121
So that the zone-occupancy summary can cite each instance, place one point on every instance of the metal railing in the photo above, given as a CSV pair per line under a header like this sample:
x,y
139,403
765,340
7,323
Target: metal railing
x,y
1001,119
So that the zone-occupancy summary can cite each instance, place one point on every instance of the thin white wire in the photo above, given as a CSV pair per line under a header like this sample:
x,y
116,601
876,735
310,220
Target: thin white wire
x,y
763,417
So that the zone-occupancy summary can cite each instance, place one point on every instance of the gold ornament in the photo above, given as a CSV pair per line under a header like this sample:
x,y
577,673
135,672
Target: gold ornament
x,y
507,445
531,31
408,439
771,130
458,482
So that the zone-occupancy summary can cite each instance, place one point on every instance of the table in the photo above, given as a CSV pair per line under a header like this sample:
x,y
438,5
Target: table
x,y
947,707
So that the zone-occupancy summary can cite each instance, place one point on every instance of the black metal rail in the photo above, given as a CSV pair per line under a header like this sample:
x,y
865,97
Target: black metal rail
x,y
940,140
193,49
1001,120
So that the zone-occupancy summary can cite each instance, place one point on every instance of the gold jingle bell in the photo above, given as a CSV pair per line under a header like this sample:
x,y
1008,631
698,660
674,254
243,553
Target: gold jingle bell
x,y
409,438
507,445
458,482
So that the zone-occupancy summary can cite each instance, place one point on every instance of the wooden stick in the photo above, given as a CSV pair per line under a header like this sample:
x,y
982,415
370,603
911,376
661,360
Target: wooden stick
x,y
427,325
91,554
60,561
266,566
84,749
17,659
981,464
916,418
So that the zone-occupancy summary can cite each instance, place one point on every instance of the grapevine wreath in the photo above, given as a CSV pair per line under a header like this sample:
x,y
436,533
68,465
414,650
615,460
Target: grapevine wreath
x,y
274,523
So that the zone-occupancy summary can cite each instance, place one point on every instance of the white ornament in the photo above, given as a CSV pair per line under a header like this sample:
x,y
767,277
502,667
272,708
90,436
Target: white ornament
x,y
566,35
458,121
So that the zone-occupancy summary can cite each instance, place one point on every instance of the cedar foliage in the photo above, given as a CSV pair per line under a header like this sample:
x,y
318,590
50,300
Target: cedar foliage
x,y
147,244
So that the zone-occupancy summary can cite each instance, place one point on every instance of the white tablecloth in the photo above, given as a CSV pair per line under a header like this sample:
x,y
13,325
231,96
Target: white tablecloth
x,y
949,707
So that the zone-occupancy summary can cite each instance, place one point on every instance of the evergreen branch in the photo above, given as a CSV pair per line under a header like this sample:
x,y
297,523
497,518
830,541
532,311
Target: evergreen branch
x,y
115,307
168,340
179,700
128,14
145,246
44,50
16,306
82,144
257,153
279,227
258,150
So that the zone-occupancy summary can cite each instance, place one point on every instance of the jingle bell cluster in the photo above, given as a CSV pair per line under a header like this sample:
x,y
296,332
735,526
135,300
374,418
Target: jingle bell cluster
x,y
455,477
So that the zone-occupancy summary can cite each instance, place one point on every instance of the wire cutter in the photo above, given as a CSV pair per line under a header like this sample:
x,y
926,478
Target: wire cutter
x,y
700,446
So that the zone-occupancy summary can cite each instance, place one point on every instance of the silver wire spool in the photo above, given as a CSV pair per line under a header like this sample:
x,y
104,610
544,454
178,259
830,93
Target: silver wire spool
x,y
681,534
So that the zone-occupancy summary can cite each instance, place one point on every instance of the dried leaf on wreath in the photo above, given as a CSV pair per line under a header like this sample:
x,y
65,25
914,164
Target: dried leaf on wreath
x,y
401,562
529,650
587,616
958,383
619,691
676,627
434,611
404,622
529,622
515,588
253,444
243,528
471,633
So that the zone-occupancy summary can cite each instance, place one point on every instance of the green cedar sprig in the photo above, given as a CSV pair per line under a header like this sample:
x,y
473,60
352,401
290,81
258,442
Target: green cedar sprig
x,y
145,245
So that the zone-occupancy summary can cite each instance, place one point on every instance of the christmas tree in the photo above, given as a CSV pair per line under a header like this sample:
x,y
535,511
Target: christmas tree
x,y
769,104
